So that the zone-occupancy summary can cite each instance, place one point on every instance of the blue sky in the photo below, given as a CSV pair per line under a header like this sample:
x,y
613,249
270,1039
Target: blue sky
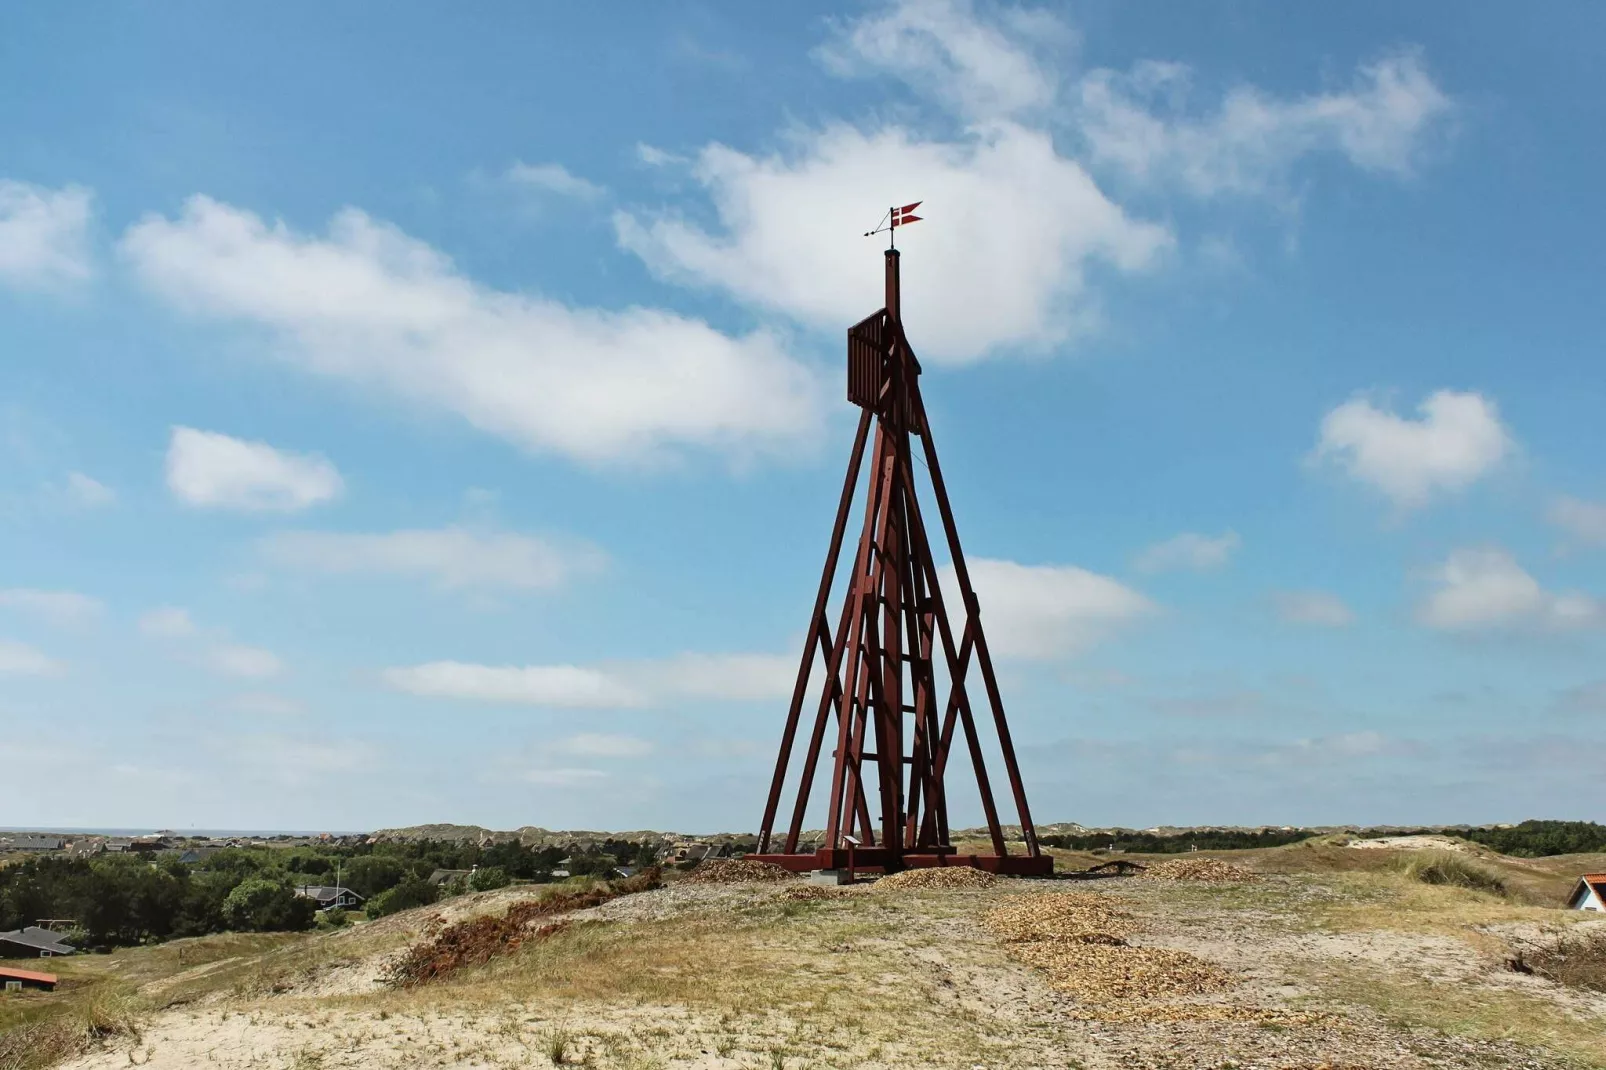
x,y
411,417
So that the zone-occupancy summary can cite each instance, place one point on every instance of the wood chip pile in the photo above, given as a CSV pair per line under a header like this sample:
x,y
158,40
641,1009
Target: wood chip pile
x,y
809,893
736,871
937,877
1063,917
1198,869
1079,940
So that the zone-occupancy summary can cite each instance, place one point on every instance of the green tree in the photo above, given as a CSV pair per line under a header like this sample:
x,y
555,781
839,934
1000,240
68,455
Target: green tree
x,y
260,905
372,874
406,895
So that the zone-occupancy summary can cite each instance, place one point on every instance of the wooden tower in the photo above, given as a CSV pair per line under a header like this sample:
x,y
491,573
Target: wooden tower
x,y
891,731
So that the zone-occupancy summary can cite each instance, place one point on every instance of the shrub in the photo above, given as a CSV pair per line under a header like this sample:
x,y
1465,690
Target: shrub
x,y
260,905
1451,869
333,918
1573,959
405,896
483,880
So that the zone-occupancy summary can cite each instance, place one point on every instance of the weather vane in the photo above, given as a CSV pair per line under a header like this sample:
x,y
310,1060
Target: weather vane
x,y
892,220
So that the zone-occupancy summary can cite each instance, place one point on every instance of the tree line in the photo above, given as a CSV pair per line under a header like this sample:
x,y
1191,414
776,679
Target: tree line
x,y
1529,839
122,899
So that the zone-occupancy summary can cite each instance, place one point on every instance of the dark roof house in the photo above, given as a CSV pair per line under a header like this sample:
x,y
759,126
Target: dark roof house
x,y
33,943
36,843
327,896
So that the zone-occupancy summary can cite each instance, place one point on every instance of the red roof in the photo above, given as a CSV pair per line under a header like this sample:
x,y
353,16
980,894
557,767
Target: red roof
x,y
27,975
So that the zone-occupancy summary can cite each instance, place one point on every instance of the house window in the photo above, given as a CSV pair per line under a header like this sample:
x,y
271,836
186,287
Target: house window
x,y
13,986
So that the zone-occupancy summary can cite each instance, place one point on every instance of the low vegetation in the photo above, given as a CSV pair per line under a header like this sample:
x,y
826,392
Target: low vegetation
x,y
477,940
1173,843
1576,959
1451,869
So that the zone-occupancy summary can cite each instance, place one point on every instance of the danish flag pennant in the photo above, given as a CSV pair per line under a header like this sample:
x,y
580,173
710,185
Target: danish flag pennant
x,y
902,217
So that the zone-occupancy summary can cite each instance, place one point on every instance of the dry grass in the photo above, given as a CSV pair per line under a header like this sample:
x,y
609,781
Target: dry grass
x,y
1480,1012
1390,901
1450,869
1575,959
70,1027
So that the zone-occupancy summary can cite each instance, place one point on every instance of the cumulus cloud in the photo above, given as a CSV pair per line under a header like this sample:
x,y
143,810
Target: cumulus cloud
x,y
603,745
1044,611
718,676
1138,124
617,684
1316,608
88,492
58,607
371,306
1017,228
44,236
555,179
1584,521
1457,438
266,704
979,69
1189,550
20,659
454,558
1016,225
167,622
208,469
562,686
248,662
564,778
1481,589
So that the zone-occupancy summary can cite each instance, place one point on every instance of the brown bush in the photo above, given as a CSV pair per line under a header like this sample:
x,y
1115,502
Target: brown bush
x,y
477,940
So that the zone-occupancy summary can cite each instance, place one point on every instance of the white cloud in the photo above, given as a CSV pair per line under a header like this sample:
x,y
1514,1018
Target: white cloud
x,y
1044,611
1458,438
20,659
248,662
371,306
1584,521
208,469
1137,123
293,760
1486,588
979,70
87,492
601,745
266,704
564,686
617,684
564,778
719,676
553,178
1316,608
167,622
44,236
1013,227
1189,550
453,557
57,607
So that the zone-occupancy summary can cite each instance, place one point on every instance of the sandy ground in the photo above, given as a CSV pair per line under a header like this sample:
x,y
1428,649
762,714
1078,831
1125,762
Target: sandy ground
x,y
1413,843
339,1014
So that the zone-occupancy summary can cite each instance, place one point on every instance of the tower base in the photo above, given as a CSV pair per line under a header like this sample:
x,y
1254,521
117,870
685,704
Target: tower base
x,y
866,858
